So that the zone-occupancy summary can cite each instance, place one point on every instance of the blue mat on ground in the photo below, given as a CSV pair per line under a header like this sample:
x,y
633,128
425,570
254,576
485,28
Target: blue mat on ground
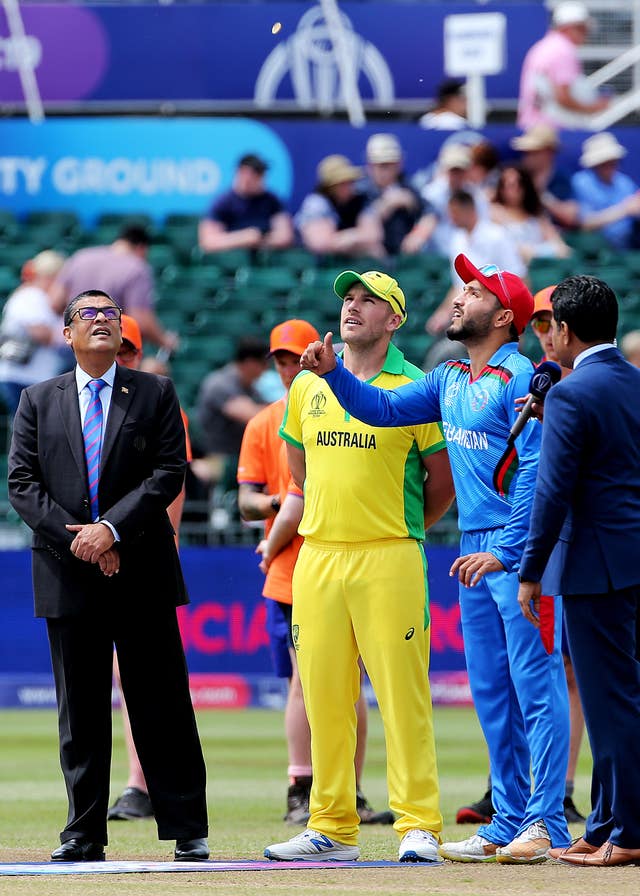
x,y
28,868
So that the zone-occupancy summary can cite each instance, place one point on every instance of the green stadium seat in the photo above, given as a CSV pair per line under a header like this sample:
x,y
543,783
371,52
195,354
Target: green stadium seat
x,y
272,281
413,345
432,265
173,318
49,228
631,261
181,219
9,280
181,232
233,259
616,275
547,271
209,279
161,256
126,219
295,259
15,255
103,234
231,321
9,226
588,245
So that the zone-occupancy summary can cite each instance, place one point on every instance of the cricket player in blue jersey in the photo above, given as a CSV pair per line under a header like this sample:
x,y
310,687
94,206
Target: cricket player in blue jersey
x,y
519,690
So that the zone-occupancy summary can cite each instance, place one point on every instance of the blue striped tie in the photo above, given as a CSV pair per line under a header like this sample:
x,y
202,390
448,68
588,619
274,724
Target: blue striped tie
x,y
92,434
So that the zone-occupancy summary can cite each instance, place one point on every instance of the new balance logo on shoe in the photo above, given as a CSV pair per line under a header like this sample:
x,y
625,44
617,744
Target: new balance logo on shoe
x,y
321,841
308,845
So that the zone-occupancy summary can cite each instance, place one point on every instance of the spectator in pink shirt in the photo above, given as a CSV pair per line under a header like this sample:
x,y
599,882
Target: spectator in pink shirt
x,y
552,87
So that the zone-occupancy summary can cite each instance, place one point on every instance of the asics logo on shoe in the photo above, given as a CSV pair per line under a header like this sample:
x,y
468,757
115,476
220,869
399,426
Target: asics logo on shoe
x,y
321,842
410,634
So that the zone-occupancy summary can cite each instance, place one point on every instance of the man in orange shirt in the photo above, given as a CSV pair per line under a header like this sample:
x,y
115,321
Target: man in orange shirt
x,y
267,492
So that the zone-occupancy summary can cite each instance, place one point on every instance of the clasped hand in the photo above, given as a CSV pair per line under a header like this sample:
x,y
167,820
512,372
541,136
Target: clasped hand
x,y
94,544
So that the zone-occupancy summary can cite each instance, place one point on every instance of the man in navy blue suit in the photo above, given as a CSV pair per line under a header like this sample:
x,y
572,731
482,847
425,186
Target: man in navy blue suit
x,y
588,502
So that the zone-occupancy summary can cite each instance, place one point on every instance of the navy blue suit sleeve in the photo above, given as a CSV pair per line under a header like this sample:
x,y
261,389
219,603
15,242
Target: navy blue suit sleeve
x,y
563,441
417,402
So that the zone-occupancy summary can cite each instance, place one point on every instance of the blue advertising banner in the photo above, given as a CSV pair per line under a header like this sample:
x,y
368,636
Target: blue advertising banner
x,y
120,165
156,166
267,53
223,630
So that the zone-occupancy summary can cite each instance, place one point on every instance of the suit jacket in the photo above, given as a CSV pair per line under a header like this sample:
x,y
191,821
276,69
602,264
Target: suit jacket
x,y
142,468
588,487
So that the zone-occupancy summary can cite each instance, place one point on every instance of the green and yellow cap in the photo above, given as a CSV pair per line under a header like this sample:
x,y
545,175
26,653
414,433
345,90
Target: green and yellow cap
x,y
378,284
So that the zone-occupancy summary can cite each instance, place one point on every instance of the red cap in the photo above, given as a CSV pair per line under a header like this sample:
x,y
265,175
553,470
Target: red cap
x,y
509,289
542,300
292,336
131,331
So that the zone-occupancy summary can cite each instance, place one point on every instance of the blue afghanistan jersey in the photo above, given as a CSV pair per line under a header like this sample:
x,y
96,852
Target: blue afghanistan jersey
x,y
494,484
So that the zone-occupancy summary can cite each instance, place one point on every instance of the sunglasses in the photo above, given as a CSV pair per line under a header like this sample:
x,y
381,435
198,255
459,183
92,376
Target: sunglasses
x,y
489,270
541,325
89,312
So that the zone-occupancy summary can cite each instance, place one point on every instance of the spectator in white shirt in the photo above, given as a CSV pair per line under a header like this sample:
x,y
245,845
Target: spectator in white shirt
x,y
479,239
30,330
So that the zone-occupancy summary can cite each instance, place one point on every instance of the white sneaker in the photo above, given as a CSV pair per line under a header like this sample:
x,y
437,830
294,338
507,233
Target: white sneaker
x,y
418,846
312,846
529,848
475,849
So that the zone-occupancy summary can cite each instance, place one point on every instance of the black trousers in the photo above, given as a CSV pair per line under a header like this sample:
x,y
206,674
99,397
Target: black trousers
x,y
603,631
156,688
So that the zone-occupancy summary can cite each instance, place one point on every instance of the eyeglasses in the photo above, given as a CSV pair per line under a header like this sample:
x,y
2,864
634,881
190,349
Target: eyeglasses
x,y
89,312
127,351
489,270
541,324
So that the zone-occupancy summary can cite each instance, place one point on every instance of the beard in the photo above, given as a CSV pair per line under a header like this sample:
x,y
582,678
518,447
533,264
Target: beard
x,y
470,330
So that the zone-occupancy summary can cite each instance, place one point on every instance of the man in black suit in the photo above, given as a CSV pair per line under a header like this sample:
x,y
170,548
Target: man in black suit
x,y
96,457
585,524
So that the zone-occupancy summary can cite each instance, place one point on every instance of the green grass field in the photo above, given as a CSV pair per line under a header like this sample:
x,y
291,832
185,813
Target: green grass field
x,y
246,761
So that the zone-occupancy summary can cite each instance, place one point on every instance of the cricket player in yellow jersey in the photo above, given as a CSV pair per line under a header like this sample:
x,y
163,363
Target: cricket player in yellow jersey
x,y
360,587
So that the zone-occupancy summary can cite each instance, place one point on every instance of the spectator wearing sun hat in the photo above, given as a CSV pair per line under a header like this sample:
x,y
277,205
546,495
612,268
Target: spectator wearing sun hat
x,y
609,200
405,216
334,218
539,147
453,173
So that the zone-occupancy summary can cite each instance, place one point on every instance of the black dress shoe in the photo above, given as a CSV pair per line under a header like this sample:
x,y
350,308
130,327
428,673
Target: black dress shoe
x,y
192,850
131,805
77,850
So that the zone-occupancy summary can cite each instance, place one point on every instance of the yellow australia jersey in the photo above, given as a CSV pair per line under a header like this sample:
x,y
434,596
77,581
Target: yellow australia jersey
x,y
363,483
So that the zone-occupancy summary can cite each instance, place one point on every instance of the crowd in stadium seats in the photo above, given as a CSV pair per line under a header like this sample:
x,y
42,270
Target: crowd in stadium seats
x,y
200,283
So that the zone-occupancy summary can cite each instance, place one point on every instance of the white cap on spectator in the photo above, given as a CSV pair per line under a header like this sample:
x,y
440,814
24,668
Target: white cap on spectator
x,y
539,136
601,148
454,155
570,13
383,148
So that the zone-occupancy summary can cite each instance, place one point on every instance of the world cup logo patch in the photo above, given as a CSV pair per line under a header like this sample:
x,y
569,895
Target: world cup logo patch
x,y
295,636
318,403
451,393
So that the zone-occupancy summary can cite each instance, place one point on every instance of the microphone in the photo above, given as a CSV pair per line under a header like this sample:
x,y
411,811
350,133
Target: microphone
x,y
542,379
